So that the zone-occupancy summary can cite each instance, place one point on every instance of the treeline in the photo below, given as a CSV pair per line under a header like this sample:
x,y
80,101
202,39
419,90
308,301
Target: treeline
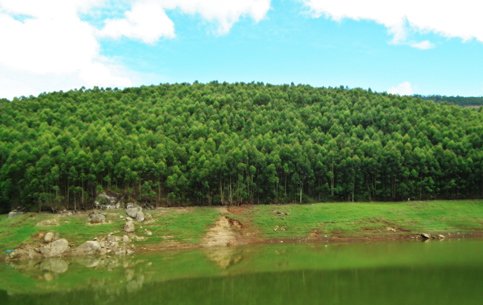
x,y
456,100
222,143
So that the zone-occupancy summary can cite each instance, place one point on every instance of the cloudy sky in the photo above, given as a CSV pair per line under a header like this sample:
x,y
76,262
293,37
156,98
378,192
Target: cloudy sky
x,y
403,47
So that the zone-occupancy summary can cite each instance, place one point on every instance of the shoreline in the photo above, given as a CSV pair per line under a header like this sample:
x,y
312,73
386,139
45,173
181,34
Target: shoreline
x,y
152,249
134,230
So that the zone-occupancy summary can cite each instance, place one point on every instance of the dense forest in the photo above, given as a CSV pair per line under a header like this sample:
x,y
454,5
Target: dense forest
x,y
222,143
470,101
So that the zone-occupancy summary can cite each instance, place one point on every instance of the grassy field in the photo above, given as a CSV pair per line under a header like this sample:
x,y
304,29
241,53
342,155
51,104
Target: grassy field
x,y
365,219
187,226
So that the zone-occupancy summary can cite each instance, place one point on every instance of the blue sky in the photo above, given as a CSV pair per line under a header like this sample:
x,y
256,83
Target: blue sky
x,y
316,42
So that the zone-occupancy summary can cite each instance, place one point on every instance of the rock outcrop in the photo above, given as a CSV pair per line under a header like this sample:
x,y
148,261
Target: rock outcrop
x,y
106,202
90,247
110,244
56,248
48,245
135,212
129,225
425,236
49,237
95,217
14,213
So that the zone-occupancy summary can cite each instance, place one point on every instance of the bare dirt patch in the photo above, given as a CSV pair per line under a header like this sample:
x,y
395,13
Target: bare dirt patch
x,y
226,232
48,222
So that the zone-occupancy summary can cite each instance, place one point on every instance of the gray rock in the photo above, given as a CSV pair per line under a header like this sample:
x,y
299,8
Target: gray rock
x,y
49,237
129,227
90,247
14,213
104,199
135,212
25,253
55,248
96,217
112,238
132,211
140,216
425,236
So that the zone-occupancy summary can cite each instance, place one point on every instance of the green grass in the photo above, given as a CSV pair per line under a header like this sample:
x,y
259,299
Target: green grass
x,y
14,231
358,219
188,225
181,225
75,228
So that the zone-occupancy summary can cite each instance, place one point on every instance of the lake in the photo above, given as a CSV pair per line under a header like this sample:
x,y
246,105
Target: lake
x,y
436,272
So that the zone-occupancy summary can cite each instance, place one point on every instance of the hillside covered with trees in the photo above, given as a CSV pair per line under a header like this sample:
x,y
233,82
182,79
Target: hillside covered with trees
x,y
470,101
221,143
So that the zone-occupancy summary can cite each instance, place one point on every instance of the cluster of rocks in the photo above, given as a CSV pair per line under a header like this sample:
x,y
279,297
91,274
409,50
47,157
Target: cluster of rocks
x,y
107,202
278,228
50,245
134,213
95,217
110,244
427,236
280,213
14,213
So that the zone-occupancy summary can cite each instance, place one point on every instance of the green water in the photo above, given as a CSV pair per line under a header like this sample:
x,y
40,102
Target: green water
x,y
447,272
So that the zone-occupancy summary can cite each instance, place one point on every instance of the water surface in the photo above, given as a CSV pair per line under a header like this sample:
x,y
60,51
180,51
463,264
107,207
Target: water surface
x,y
447,272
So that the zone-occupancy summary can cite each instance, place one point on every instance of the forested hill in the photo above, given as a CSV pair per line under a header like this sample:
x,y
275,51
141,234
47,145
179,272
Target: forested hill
x,y
456,100
235,143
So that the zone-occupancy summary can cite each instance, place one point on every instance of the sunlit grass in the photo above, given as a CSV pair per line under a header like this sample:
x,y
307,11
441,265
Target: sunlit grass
x,y
353,219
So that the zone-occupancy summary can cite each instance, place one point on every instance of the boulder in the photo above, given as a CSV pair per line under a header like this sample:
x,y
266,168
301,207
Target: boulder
x,y
129,226
14,213
135,212
90,247
104,201
96,217
55,248
27,252
425,236
49,237
140,216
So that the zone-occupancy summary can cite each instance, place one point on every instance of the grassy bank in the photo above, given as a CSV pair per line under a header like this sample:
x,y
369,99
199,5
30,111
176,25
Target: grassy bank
x,y
185,227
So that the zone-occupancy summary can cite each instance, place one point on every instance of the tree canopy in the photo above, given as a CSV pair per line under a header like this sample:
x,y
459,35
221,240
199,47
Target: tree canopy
x,y
465,101
221,143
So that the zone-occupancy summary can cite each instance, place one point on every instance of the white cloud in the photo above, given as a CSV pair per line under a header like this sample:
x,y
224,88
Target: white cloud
x,y
404,88
51,48
225,13
422,45
147,19
46,45
449,18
